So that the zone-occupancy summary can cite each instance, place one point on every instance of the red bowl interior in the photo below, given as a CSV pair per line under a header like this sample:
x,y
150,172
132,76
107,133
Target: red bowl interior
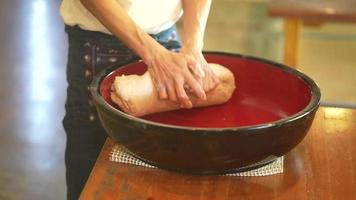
x,y
264,93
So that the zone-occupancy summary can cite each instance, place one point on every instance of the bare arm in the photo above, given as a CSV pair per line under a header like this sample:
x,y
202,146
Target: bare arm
x,y
170,70
194,22
117,21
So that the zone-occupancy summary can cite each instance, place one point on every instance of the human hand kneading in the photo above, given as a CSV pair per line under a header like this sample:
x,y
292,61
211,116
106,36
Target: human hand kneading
x,y
136,95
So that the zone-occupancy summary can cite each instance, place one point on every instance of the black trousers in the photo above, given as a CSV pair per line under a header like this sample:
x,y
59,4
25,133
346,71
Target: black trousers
x,y
88,53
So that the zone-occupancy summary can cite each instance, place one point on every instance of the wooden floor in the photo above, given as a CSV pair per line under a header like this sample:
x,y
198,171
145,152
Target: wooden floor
x,y
32,90
32,81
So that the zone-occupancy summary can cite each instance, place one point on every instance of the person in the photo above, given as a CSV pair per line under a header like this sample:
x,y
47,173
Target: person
x,y
106,32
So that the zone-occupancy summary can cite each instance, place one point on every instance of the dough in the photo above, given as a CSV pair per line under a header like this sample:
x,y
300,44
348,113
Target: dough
x,y
137,96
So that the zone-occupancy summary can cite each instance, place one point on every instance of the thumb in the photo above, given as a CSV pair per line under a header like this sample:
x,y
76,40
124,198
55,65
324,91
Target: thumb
x,y
195,68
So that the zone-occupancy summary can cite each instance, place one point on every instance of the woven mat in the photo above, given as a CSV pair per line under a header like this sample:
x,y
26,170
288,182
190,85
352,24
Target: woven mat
x,y
118,154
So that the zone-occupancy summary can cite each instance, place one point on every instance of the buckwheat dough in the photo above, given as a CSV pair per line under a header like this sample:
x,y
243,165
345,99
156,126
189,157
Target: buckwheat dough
x,y
137,96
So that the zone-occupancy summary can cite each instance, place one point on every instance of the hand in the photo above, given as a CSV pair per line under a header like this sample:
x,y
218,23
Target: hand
x,y
171,73
203,73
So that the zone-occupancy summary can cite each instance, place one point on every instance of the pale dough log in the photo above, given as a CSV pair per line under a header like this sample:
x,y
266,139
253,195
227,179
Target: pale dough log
x,y
137,96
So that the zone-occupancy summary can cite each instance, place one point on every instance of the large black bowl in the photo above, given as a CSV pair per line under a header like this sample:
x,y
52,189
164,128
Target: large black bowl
x,y
269,113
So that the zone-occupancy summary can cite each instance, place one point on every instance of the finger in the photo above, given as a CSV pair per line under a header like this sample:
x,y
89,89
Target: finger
x,y
197,89
158,83
195,68
182,96
162,92
200,80
211,84
171,92
216,81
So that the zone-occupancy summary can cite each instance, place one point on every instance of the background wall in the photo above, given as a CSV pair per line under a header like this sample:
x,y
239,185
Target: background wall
x,y
326,53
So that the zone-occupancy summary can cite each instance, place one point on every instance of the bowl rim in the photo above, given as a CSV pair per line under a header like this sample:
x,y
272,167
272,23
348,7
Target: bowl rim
x,y
312,105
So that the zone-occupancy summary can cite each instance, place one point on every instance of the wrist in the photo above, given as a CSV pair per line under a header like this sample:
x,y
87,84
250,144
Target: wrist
x,y
192,50
192,47
153,53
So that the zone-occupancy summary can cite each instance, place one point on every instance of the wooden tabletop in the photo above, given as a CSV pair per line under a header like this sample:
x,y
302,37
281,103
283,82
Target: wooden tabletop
x,y
323,167
324,10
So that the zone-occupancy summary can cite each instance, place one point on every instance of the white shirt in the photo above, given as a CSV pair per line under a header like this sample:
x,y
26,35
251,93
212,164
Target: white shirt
x,y
153,16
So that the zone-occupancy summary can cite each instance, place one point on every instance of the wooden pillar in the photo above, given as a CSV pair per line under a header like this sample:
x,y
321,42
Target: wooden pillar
x,y
291,41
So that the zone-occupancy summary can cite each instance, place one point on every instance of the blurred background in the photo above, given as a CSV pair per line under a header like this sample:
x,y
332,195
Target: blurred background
x,y
33,86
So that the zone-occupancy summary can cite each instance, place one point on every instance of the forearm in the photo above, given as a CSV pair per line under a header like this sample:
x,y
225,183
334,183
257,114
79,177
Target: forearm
x,y
194,21
170,70
117,21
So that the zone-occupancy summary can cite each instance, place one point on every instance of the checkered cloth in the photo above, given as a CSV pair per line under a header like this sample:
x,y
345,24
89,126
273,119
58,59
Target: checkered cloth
x,y
118,154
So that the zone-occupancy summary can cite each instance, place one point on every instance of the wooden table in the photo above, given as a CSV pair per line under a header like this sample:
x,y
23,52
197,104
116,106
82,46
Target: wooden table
x,y
322,167
297,12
